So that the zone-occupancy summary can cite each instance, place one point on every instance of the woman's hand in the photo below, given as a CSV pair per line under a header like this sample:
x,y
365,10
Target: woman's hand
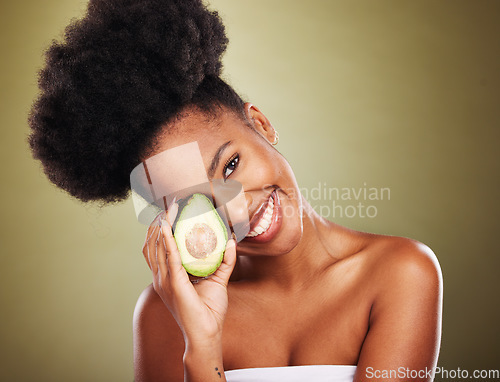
x,y
199,308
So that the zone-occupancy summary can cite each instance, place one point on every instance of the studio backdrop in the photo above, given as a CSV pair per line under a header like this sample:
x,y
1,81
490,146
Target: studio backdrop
x,y
387,112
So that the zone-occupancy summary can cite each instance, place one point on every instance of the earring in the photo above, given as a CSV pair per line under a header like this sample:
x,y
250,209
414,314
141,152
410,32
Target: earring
x,y
276,138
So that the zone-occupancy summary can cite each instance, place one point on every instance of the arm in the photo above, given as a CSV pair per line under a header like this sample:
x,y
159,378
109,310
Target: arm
x,y
405,320
158,341
160,354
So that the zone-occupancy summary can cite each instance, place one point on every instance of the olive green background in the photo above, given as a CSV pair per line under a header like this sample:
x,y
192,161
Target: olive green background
x,y
398,94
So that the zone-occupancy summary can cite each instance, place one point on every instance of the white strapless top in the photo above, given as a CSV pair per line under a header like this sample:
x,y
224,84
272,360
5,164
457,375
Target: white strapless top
x,y
304,373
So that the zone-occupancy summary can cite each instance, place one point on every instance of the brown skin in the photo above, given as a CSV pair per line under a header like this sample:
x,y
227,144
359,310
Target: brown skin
x,y
318,293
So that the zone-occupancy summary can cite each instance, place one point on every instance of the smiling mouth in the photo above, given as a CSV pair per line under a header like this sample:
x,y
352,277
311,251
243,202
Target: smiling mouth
x,y
266,222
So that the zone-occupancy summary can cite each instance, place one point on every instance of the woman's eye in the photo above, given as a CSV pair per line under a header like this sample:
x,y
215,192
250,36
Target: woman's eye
x,y
231,166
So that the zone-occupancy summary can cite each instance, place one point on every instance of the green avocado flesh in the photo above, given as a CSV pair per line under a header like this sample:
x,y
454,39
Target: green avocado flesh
x,y
201,236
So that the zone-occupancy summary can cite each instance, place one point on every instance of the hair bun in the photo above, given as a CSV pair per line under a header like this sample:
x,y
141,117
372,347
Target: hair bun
x,y
180,41
121,72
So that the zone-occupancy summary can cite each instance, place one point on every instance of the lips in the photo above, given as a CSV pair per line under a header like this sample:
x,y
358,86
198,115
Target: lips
x,y
264,219
266,222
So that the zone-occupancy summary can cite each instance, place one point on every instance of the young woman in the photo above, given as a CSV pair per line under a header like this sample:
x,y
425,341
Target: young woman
x,y
299,298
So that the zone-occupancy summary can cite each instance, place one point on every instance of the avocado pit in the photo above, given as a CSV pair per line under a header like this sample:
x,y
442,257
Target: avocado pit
x,y
201,240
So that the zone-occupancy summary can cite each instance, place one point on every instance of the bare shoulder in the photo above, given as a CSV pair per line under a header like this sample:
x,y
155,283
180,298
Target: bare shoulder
x,y
158,340
405,283
401,268
150,308
394,255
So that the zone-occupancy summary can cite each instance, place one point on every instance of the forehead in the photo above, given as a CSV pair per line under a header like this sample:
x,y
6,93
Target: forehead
x,y
208,131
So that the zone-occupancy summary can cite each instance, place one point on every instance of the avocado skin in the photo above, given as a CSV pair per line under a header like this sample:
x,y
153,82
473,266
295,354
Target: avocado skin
x,y
199,209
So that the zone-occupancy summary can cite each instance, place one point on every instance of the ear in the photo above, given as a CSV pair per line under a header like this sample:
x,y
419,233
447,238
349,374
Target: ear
x,y
260,123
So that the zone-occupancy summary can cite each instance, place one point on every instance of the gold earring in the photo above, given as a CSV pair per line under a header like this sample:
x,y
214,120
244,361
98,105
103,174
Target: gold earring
x,y
276,138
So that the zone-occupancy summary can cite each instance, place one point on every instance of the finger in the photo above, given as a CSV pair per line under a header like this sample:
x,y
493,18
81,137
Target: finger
x,y
161,254
151,249
154,223
145,249
146,257
175,268
222,274
149,234
172,213
170,216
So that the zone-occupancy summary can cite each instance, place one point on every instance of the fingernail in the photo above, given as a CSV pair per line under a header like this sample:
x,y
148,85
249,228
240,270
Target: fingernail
x,y
231,243
157,218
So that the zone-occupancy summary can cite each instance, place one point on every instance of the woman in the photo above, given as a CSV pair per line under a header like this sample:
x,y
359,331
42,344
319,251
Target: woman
x,y
304,297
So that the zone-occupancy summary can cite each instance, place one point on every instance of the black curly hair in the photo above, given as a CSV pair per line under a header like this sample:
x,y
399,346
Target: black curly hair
x,y
123,71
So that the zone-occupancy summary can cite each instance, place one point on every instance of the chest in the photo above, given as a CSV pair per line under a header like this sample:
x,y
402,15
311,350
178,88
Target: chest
x,y
315,327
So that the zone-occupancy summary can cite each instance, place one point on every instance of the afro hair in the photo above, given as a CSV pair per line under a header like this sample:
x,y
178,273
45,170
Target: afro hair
x,y
121,72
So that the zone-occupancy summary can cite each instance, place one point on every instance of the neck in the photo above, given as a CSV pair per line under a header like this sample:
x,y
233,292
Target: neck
x,y
297,268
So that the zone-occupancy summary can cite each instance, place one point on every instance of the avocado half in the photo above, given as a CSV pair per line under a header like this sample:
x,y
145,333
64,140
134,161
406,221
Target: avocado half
x,y
201,236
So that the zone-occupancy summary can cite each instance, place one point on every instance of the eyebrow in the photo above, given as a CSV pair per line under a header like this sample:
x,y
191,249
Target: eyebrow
x,y
216,159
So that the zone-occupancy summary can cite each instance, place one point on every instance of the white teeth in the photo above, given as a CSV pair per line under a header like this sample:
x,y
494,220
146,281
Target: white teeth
x,y
265,220
263,226
268,213
259,230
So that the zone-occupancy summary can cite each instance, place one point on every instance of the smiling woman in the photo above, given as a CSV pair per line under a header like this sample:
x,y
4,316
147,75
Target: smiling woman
x,y
135,80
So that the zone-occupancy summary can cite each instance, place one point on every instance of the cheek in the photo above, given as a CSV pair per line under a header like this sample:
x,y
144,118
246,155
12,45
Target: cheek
x,y
271,169
292,216
290,209
289,235
266,169
291,199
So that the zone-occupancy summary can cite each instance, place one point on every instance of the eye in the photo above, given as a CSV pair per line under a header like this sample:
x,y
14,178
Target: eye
x,y
230,166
